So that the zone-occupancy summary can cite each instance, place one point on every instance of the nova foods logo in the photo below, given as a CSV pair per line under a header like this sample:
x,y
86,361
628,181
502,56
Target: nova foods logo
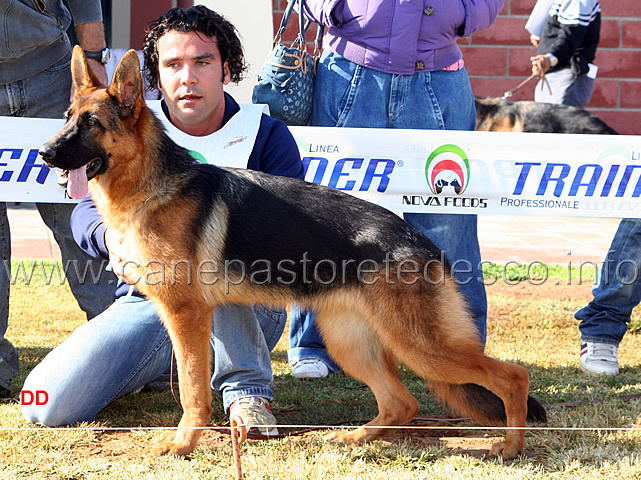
x,y
447,170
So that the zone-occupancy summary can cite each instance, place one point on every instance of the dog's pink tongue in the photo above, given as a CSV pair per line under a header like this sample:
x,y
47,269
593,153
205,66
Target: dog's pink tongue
x,y
77,183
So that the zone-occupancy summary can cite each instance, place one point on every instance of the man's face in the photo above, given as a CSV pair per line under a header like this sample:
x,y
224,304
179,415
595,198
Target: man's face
x,y
191,77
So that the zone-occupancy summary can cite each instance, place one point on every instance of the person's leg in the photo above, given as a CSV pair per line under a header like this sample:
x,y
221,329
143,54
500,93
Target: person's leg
x,y
343,78
446,231
306,343
617,291
579,92
446,102
92,285
349,95
605,319
8,353
431,100
242,339
116,353
12,103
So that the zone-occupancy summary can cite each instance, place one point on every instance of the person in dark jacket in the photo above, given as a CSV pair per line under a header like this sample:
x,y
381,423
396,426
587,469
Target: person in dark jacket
x,y
566,49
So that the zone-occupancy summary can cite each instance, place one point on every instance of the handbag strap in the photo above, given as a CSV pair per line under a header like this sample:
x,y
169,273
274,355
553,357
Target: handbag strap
x,y
288,12
302,30
302,26
318,41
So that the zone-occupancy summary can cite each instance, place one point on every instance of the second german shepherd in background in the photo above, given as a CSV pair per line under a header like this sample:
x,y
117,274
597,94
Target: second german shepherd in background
x,y
499,115
177,213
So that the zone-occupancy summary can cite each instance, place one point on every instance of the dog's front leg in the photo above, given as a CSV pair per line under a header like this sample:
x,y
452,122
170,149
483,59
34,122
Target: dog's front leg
x,y
190,331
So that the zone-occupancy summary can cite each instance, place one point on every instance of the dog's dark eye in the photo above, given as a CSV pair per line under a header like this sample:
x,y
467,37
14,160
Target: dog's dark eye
x,y
91,122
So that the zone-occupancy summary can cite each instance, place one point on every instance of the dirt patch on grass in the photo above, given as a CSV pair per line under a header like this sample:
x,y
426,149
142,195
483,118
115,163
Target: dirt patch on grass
x,y
428,434
551,290
477,443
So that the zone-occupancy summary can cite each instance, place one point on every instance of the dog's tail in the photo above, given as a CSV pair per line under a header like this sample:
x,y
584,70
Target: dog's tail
x,y
595,125
482,405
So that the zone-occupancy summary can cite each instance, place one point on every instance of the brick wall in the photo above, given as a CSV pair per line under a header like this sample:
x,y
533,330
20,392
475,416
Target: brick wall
x,y
497,59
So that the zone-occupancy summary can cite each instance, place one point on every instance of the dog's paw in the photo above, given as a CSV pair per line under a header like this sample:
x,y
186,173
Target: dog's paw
x,y
505,450
166,444
355,436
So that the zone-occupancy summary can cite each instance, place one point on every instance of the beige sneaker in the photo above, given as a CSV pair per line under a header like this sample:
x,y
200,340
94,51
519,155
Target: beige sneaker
x,y
256,415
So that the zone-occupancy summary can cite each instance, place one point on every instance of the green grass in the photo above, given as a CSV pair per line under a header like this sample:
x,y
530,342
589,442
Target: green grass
x,y
533,326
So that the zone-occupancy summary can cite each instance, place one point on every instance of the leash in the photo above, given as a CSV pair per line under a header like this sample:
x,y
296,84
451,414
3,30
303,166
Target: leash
x,y
544,81
238,434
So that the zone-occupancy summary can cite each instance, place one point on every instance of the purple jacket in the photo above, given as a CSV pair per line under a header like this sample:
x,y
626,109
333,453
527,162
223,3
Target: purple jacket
x,y
400,36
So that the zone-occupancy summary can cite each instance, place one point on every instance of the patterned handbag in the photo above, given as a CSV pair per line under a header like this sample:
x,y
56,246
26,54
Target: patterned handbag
x,y
286,81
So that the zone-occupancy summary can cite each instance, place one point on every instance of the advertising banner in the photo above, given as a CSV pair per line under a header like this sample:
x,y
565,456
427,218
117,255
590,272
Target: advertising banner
x,y
478,172
413,170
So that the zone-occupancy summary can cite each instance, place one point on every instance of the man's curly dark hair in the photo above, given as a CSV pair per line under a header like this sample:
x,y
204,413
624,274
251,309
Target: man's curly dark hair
x,y
202,20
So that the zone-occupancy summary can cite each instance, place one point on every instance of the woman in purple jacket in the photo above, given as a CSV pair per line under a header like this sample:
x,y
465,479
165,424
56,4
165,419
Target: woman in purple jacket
x,y
396,64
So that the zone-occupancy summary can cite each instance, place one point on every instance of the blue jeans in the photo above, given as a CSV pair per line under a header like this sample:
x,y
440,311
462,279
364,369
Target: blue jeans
x,y
127,347
617,289
305,340
46,95
350,95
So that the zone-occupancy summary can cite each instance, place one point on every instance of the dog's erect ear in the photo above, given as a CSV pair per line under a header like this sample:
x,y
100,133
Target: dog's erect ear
x,y
126,86
81,76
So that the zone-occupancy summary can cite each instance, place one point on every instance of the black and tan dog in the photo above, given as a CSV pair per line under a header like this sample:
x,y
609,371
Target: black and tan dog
x,y
498,115
381,290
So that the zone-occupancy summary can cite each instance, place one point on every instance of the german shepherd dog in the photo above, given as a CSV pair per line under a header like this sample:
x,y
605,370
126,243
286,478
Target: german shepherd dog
x,y
499,115
174,211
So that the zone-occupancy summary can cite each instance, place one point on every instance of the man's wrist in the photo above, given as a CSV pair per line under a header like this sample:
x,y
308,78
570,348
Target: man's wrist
x,y
101,56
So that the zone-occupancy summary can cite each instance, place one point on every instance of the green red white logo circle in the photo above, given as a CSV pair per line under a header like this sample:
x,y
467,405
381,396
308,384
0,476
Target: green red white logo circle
x,y
447,169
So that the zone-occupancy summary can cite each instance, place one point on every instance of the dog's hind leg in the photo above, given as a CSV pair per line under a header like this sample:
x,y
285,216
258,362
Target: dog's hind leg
x,y
357,349
189,328
435,336
492,392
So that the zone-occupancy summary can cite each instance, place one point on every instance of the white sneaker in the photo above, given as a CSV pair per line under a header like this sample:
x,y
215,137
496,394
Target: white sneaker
x,y
599,358
310,368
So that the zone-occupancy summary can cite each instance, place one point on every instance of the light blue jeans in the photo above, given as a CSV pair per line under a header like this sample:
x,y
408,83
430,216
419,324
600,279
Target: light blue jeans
x,y
617,288
127,347
350,95
46,95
